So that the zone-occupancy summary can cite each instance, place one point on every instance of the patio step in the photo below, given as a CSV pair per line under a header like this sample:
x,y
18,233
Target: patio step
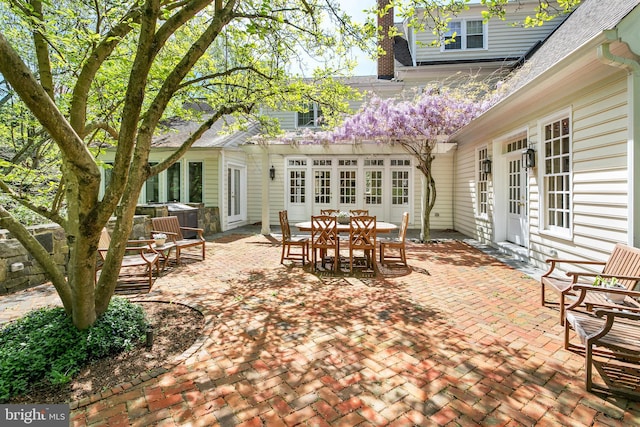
x,y
514,251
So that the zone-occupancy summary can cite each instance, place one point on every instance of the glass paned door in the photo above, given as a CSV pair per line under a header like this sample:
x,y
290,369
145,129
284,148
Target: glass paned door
x,y
373,192
348,187
517,205
235,194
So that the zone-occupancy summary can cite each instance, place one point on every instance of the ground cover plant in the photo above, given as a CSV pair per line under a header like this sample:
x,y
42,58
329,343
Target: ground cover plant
x,y
45,346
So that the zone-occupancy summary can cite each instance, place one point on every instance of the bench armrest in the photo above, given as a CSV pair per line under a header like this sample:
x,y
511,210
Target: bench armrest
x,y
603,312
198,230
584,288
582,291
555,261
604,276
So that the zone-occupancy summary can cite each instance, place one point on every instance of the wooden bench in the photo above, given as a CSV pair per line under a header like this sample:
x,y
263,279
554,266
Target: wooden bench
x,y
170,226
610,333
623,264
136,270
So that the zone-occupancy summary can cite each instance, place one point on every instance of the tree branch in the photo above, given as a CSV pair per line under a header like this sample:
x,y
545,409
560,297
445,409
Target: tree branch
x,y
27,204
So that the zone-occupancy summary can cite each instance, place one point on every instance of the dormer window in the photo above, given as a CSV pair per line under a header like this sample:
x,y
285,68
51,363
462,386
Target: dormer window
x,y
311,117
465,34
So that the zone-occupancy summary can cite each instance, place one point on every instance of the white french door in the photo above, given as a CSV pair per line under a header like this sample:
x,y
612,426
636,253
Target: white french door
x,y
381,184
518,199
236,194
296,188
373,192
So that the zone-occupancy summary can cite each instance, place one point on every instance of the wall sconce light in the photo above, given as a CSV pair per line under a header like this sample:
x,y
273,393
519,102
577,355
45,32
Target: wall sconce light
x,y
486,166
272,173
529,158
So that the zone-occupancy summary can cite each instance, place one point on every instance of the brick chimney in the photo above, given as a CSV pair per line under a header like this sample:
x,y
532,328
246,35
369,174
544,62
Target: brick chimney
x,y
385,62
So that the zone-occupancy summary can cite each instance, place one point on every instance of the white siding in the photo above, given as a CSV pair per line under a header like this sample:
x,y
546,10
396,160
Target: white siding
x,y
466,220
441,217
504,39
600,187
600,177
443,165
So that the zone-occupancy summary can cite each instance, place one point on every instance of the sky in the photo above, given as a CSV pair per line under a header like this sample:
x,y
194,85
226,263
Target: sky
x,y
366,66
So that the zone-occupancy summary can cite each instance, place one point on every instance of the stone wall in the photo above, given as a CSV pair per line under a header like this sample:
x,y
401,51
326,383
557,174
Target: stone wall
x,y
19,270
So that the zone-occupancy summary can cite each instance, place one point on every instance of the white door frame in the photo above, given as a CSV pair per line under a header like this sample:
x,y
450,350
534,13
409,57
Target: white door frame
x,y
517,206
235,182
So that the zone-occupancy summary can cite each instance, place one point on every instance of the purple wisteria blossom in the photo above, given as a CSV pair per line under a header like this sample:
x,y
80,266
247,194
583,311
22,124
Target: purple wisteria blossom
x,y
416,125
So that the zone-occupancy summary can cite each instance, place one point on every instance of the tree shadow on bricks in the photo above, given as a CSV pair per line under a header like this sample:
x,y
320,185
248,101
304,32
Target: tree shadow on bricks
x,y
461,344
302,344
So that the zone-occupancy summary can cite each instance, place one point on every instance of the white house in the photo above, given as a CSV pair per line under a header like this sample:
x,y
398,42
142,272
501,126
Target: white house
x,y
234,172
575,105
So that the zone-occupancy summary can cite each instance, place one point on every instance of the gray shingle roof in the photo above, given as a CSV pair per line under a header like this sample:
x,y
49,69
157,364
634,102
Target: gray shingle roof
x,y
215,137
589,20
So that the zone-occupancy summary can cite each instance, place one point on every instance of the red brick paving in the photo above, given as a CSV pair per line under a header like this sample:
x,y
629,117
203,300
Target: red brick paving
x,y
458,339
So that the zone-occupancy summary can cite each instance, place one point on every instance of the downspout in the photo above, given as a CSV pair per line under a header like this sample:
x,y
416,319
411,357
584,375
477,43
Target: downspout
x,y
633,151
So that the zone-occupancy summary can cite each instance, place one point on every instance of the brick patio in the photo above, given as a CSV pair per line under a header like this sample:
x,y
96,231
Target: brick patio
x,y
460,338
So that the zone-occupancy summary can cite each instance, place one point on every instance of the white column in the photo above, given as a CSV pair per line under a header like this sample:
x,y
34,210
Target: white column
x,y
266,181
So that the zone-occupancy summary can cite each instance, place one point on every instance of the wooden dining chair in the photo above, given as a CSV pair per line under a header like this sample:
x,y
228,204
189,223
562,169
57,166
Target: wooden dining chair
x,y
362,236
329,211
324,237
288,243
397,245
359,212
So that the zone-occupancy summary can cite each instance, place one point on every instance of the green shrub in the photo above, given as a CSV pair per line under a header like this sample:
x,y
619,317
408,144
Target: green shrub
x,y
45,346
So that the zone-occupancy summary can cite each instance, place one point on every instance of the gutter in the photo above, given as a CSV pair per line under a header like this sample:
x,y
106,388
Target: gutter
x,y
633,152
605,55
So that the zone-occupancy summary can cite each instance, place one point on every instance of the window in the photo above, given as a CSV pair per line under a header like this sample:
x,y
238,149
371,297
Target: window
x,y
297,186
373,187
173,183
557,175
152,187
465,34
322,187
195,182
311,117
400,187
108,172
482,183
348,187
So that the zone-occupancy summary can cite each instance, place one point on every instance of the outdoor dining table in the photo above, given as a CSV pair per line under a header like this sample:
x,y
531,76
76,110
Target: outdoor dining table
x,y
381,227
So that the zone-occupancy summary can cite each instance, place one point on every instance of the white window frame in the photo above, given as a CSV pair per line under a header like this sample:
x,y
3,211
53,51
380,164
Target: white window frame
x,y
317,113
482,153
187,181
544,227
326,194
462,36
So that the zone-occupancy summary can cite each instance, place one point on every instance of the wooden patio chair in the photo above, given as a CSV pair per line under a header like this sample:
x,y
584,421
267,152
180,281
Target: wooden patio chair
x,y
324,237
358,212
398,246
610,339
136,270
362,237
329,211
288,243
170,226
623,264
